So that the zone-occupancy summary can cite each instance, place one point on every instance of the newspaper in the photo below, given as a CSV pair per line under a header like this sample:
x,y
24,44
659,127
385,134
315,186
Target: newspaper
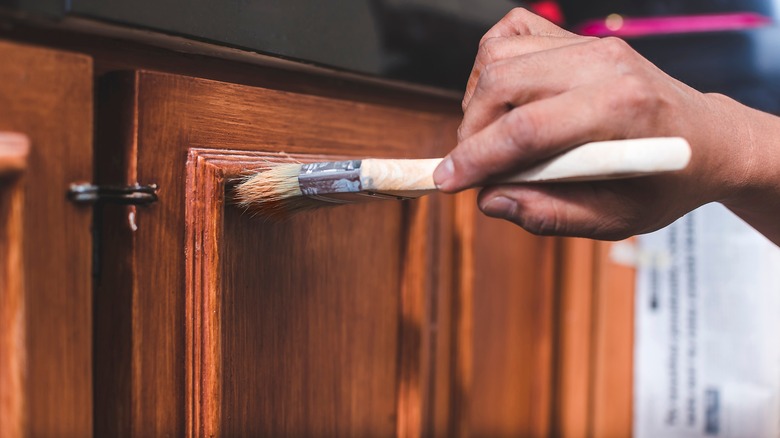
x,y
707,339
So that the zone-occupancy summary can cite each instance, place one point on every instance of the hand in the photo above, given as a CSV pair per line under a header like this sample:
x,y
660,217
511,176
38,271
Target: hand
x,y
537,90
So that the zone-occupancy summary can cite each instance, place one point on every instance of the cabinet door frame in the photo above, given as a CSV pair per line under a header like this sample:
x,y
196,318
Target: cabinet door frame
x,y
14,149
210,174
48,95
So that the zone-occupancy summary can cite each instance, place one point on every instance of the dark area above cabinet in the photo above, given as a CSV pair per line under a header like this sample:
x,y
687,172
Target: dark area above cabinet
x,y
431,42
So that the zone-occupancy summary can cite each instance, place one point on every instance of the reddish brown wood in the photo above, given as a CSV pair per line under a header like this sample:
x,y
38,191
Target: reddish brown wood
x,y
359,346
613,340
595,348
572,415
513,331
47,94
14,149
478,346
206,181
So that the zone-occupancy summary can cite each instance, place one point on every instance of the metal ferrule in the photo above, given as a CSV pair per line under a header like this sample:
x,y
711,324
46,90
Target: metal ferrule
x,y
317,179
336,182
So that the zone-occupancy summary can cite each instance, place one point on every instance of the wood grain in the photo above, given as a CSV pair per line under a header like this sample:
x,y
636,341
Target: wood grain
x,y
503,347
365,332
47,94
513,331
217,278
572,415
613,338
14,149
595,343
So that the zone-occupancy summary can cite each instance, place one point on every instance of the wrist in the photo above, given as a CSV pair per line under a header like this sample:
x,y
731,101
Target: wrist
x,y
754,175
730,148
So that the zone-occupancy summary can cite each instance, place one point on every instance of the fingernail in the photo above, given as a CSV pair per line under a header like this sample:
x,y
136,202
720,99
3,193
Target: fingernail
x,y
500,207
442,176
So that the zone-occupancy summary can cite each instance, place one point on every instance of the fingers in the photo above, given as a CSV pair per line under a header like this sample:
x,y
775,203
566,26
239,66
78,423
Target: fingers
x,y
592,210
519,23
497,49
513,82
530,133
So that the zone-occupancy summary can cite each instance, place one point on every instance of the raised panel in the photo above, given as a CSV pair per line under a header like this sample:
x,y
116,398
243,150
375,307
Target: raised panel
x,y
219,334
309,326
47,95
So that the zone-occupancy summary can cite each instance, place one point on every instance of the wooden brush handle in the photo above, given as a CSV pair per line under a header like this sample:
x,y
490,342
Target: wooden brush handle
x,y
592,161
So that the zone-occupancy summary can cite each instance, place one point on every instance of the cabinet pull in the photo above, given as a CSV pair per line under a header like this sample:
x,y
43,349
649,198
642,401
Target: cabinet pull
x,y
126,195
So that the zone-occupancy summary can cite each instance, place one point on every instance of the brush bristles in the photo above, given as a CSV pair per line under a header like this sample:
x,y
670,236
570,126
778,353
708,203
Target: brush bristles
x,y
275,193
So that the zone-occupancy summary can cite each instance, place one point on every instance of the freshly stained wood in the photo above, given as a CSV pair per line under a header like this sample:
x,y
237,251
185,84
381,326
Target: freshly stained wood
x,y
321,325
613,352
595,343
47,95
512,331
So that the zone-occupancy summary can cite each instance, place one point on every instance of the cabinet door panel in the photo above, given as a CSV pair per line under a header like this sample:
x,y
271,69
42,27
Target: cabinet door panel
x,y
310,323
316,325
304,327
47,95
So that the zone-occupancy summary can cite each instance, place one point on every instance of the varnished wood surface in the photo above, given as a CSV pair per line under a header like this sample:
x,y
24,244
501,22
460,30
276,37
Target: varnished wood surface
x,y
217,369
175,114
503,347
572,415
13,160
613,336
595,343
512,331
47,95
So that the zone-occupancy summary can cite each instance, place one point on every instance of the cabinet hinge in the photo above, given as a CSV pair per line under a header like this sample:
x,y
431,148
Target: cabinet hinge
x,y
127,195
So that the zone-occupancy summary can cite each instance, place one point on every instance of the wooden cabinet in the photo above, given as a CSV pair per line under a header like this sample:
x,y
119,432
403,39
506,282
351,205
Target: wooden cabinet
x,y
190,317
45,251
229,325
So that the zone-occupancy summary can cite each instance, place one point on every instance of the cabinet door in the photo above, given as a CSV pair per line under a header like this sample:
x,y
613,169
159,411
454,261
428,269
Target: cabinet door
x,y
212,322
47,95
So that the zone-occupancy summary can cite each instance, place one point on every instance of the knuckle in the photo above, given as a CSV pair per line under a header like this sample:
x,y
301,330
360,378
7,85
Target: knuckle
x,y
614,48
488,51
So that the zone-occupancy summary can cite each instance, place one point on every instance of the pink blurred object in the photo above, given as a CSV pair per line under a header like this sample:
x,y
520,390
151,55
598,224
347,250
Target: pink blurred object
x,y
616,25
548,9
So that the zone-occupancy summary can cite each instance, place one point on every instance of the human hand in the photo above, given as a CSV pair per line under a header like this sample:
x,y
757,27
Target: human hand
x,y
537,90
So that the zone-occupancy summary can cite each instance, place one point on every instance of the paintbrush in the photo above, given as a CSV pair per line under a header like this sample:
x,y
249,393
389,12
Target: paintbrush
x,y
286,189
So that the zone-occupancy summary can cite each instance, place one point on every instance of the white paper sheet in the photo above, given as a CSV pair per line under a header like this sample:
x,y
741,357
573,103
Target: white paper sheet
x,y
707,340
